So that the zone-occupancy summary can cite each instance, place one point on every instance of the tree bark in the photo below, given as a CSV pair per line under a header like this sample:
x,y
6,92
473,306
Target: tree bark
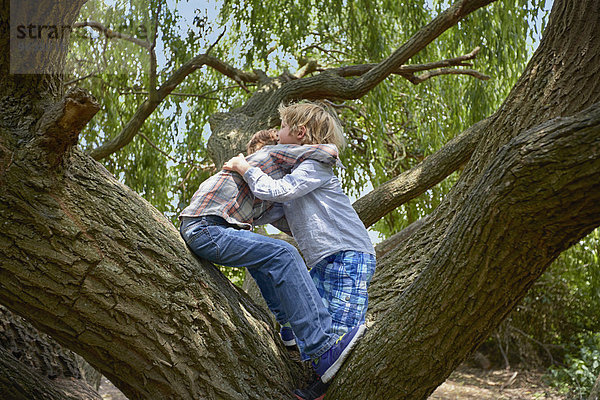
x,y
98,268
33,366
106,275
520,216
92,264
18,382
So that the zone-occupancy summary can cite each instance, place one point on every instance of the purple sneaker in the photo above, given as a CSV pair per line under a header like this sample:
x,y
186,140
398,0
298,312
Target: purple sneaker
x,y
330,362
287,336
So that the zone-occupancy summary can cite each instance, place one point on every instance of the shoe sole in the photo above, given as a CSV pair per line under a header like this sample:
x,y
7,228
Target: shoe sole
x,y
330,373
289,343
302,398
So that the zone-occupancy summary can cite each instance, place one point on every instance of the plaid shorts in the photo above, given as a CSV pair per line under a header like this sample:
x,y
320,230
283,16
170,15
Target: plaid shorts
x,y
342,280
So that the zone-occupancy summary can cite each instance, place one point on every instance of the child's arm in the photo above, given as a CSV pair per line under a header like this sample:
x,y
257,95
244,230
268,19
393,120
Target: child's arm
x,y
276,217
308,176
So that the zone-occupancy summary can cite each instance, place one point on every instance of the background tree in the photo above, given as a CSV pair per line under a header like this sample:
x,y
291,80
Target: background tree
x,y
106,275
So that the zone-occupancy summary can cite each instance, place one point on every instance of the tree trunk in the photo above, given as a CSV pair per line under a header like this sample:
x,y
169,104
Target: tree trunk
x,y
105,274
18,382
98,268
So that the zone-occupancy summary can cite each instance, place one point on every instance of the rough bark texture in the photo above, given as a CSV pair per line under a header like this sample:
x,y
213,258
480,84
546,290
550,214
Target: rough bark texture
x,y
19,382
35,366
99,269
109,277
39,351
91,263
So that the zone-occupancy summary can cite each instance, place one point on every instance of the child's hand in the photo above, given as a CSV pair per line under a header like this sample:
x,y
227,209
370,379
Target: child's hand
x,y
237,164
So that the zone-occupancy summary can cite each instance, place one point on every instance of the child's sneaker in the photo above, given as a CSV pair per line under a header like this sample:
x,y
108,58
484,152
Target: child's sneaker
x,y
330,362
287,336
314,391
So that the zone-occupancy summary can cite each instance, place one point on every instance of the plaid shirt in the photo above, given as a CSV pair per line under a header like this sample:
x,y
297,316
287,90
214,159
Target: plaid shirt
x,y
227,195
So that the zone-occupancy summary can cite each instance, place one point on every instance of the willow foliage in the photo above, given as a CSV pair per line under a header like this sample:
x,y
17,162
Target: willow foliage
x,y
390,129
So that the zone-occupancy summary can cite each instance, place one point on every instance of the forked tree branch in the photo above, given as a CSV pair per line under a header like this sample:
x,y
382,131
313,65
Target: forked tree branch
x,y
408,71
361,69
330,84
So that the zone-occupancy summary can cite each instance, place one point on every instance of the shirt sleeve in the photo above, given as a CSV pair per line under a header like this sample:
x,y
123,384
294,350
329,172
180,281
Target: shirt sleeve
x,y
276,217
274,213
308,176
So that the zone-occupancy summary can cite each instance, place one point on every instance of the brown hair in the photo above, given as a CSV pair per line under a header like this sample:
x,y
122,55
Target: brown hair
x,y
260,139
321,123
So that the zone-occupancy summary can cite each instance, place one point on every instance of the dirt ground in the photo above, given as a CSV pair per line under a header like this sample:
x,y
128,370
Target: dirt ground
x,y
476,384
464,384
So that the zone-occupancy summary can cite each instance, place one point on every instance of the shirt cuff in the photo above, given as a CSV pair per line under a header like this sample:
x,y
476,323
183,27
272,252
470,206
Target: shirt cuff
x,y
252,174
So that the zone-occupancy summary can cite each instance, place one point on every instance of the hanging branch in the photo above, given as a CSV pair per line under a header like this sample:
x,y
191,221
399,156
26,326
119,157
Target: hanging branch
x,y
110,34
208,167
149,105
152,81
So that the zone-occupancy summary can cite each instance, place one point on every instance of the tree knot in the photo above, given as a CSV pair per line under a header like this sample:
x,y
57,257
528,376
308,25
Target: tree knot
x,y
61,124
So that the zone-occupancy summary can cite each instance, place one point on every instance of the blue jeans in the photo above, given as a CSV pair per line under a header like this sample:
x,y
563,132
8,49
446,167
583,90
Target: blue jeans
x,y
278,270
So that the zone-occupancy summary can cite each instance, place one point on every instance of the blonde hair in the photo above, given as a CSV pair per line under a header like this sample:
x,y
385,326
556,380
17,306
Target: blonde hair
x,y
322,125
260,139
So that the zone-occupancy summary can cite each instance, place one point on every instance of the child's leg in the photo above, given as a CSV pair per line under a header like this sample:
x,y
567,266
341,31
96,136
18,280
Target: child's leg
x,y
268,294
342,280
283,276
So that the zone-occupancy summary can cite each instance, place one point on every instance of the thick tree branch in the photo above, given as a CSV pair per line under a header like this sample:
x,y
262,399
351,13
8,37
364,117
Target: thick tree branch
x,y
59,127
410,184
538,196
34,366
20,382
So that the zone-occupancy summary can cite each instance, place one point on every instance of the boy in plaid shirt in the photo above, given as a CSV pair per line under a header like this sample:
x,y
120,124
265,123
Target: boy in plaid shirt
x,y
328,231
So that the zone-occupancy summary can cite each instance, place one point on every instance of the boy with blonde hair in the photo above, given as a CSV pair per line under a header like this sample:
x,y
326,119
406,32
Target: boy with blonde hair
x,y
329,233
